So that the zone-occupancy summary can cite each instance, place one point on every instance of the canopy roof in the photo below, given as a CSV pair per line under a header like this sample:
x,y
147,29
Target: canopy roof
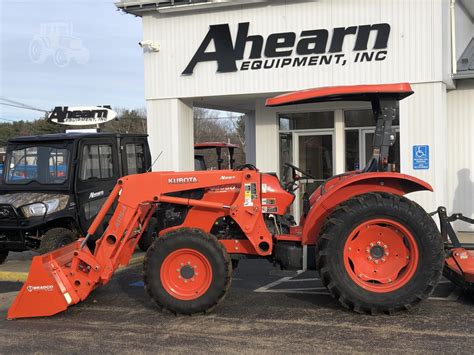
x,y
342,93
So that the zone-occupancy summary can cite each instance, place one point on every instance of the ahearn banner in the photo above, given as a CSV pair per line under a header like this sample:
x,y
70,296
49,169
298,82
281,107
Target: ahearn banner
x,y
289,49
82,115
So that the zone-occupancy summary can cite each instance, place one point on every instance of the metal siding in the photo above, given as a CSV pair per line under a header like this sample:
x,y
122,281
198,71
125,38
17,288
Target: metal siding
x,y
415,46
460,150
423,122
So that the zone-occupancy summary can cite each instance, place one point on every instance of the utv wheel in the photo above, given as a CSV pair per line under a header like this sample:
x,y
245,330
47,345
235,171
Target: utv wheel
x,y
56,238
3,256
187,271
150,235
380,253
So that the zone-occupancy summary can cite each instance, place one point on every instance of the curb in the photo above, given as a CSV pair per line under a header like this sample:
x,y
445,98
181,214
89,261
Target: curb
x,y
14,276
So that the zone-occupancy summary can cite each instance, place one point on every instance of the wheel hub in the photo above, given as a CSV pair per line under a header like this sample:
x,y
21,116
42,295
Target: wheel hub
x,y
371,263
187,272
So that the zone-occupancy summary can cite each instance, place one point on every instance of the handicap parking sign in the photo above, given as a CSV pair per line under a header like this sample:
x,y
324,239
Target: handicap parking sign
x,y
421,157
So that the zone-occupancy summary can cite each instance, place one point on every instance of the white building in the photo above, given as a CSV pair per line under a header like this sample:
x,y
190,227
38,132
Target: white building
x,y
232,55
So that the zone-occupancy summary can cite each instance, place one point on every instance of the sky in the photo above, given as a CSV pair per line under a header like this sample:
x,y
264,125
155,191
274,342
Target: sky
x,y
68,53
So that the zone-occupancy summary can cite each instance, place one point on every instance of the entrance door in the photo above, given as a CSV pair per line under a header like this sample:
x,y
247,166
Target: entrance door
x,y
313,153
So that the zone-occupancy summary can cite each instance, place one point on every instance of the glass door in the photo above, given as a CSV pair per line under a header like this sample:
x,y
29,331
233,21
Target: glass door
x,y
313,153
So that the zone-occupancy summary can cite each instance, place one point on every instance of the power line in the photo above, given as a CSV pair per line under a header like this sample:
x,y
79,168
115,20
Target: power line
x,y
19,104
23,107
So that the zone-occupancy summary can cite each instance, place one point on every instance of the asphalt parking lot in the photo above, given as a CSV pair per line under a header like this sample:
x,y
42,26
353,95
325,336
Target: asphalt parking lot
x,y
267,310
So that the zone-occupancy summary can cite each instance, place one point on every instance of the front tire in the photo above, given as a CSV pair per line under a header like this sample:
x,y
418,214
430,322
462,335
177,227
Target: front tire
x,y
187,271
3,256
56,238
380,253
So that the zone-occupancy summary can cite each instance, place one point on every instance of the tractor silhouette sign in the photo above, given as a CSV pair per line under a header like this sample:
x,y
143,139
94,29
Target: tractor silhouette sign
x,y
56,40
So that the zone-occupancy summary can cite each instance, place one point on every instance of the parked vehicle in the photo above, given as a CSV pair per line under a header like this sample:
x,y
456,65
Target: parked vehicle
x,y
54,185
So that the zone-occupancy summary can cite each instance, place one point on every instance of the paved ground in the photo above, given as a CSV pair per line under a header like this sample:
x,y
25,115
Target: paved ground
x,y
266,311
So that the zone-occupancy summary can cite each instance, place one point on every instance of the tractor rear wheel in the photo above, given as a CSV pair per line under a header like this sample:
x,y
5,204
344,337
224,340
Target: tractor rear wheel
x,y
380,253
150,235
187,271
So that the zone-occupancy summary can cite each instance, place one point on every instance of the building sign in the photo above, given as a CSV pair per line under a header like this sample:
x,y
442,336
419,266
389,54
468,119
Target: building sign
x,y
82,116
316,47
421,157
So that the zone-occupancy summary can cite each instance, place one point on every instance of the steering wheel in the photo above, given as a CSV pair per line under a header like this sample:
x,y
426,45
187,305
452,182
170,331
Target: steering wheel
x,y
246,166
304,173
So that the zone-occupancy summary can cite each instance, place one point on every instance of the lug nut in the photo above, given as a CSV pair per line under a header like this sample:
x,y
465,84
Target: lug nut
x,y
371,244
369,258
376,261
379,243
383,259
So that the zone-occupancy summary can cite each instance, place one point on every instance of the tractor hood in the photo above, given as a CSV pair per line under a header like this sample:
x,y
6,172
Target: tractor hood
x,y
20,199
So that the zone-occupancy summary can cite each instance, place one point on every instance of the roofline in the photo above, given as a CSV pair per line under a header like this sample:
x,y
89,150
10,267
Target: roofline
x,y
138,7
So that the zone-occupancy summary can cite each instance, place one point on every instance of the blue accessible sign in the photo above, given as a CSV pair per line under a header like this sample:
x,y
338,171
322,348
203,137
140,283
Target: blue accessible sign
x,y
421,157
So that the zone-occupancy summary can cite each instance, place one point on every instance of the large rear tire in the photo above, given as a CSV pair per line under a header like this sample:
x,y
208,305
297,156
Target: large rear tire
x,y
380,253
187,271
3,256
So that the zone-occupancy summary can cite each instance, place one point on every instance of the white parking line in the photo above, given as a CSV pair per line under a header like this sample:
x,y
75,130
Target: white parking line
x,y
269,288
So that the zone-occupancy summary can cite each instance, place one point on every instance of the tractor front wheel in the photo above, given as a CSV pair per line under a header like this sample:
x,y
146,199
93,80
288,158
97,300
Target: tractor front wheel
x,y
380,253
187,271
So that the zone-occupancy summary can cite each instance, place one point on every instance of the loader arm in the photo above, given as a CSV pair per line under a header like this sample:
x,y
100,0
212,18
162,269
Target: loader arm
x,y
68,275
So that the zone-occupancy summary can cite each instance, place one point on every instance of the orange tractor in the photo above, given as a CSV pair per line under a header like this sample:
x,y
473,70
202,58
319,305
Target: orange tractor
x,y
375,250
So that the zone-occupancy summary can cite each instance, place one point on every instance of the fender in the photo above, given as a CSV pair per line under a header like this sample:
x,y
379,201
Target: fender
x,y
338,190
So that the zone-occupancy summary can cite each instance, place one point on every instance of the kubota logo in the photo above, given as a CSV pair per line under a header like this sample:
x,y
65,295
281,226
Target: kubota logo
x,y
45,288
183,180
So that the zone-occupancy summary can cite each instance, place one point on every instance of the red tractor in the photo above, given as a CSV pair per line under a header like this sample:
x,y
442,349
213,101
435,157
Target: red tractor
x,y
375,250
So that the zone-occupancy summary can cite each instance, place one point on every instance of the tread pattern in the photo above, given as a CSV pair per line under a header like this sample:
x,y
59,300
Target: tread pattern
x,y
52,237
333,228
200,234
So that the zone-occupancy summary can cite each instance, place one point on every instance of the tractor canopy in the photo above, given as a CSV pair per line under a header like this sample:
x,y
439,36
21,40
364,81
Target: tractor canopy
x,y
343,93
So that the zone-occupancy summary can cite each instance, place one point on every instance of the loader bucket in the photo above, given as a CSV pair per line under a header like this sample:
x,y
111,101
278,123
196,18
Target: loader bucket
x,y
48,289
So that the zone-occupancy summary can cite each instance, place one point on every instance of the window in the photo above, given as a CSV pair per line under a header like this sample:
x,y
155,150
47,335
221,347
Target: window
x,y
306,120
135,158
360,128
43,164
362,118
97,162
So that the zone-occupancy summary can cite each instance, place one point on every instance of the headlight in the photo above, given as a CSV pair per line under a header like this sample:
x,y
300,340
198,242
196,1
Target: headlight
x,y
40,209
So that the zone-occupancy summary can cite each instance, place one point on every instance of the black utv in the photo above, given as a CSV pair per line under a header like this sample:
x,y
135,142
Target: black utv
x,y
54,185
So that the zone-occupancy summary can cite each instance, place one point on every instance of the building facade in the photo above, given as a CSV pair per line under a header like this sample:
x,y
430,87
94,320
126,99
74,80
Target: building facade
x,y
233,55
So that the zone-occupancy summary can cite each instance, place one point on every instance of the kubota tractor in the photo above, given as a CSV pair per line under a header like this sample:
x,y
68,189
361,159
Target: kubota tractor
x,y
376,251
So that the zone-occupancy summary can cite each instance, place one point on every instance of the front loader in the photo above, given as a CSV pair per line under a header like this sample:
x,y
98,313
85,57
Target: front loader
x,y
376,251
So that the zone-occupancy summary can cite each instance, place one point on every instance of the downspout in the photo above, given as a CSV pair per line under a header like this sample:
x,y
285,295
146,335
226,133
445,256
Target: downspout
x,y
453,37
